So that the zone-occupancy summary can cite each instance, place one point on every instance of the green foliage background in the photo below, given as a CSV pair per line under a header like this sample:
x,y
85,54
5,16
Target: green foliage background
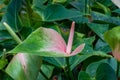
x,y
92,17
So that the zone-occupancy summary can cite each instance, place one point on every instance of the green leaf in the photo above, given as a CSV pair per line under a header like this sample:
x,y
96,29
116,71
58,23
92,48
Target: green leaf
x,y
75,60
47,70
113,37
106,9
59,62
92,68
25,32
117,11
99,29
38,43
4,36
59,1
105,2
80,5
25,14
39,5
96,16
3,63
102,46
53,13
88,45
11,15
7,44
2,8
24,67
105,72
83,76
81,19
28,16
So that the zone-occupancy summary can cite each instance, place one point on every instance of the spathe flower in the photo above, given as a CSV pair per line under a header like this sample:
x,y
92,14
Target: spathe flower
x,y
48,42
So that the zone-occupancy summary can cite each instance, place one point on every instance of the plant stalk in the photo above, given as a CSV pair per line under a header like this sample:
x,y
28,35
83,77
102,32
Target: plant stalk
x,y
12,33
69,70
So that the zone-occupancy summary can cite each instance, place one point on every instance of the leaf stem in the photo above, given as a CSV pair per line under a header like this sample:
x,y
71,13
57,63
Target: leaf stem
x,y
12,33
69,70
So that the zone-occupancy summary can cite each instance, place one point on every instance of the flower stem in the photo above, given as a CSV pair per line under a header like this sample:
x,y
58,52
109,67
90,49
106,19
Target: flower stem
x,y
118,66
12,33
65,72
69,70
